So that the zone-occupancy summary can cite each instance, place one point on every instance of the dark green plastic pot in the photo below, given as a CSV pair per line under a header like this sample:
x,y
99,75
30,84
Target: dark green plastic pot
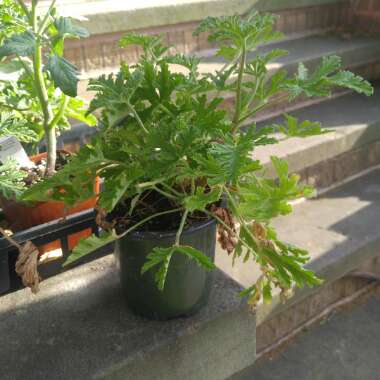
x,y
187,285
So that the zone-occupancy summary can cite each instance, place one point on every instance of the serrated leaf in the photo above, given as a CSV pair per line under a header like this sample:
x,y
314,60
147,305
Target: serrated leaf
x,y
354,82
22,44
64,74
302,71
161,257
201,200
66,28
90,244
11,179
11,71
306,128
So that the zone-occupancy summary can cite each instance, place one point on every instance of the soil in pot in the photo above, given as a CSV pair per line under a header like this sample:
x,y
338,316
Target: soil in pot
x,y
187,285
21,216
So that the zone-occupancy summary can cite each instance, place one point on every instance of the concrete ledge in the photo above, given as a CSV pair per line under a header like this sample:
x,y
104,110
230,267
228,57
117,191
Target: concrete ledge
x,y
78,327
113,15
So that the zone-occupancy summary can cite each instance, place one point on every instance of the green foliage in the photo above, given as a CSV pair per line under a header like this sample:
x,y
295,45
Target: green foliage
x,y
22,44
200,200
86,246
161,257
11,180
293,128
63,74
326,76
166,132
37,84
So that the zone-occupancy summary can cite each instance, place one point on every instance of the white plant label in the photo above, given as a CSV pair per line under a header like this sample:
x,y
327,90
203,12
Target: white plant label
x,y
10,147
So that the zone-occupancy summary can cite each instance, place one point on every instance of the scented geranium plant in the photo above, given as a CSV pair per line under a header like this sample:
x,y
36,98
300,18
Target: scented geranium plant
x,y
38,86
172,156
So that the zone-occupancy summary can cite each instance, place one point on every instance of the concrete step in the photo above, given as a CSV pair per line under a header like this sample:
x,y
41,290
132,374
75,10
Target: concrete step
x,y
79,327
344,346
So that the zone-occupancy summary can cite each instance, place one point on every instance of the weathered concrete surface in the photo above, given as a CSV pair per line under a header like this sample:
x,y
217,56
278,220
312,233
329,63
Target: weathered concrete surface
x,y
78,327
115,15
345,347
340,229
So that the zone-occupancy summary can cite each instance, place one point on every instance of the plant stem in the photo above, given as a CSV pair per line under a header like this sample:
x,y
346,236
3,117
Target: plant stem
x,y
39,81
236,117
241,220
181,227
164,193
44,22
129,230
24,8
60,112
227,228
137,117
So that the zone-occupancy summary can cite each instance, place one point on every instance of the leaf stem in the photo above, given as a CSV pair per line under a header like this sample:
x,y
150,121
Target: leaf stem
x,y
164,193
58,116
236,117
181,227
241,220
44,22
137,117
129,230
25,9
39,81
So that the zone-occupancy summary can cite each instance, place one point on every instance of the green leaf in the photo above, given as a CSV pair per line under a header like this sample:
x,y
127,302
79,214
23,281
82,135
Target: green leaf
x,y
22,44
151,45
200,258
64,74
161,257
324,79
307,128
303,72
77,110
11,180
263,199
90,244
234,157
116,184
66,28
267,293
201,200
354,82
11,71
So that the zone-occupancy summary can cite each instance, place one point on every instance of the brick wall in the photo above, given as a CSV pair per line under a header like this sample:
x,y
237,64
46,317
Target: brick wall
x,y
366,15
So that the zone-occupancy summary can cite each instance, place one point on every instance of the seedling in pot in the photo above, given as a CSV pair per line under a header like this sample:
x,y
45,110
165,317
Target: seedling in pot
x,y
38,86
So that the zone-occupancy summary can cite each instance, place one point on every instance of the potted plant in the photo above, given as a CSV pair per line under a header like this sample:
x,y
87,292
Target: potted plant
x,y
37,101
177,166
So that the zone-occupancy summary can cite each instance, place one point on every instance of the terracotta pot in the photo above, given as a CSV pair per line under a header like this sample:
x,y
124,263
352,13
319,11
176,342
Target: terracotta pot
x,y
22,216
